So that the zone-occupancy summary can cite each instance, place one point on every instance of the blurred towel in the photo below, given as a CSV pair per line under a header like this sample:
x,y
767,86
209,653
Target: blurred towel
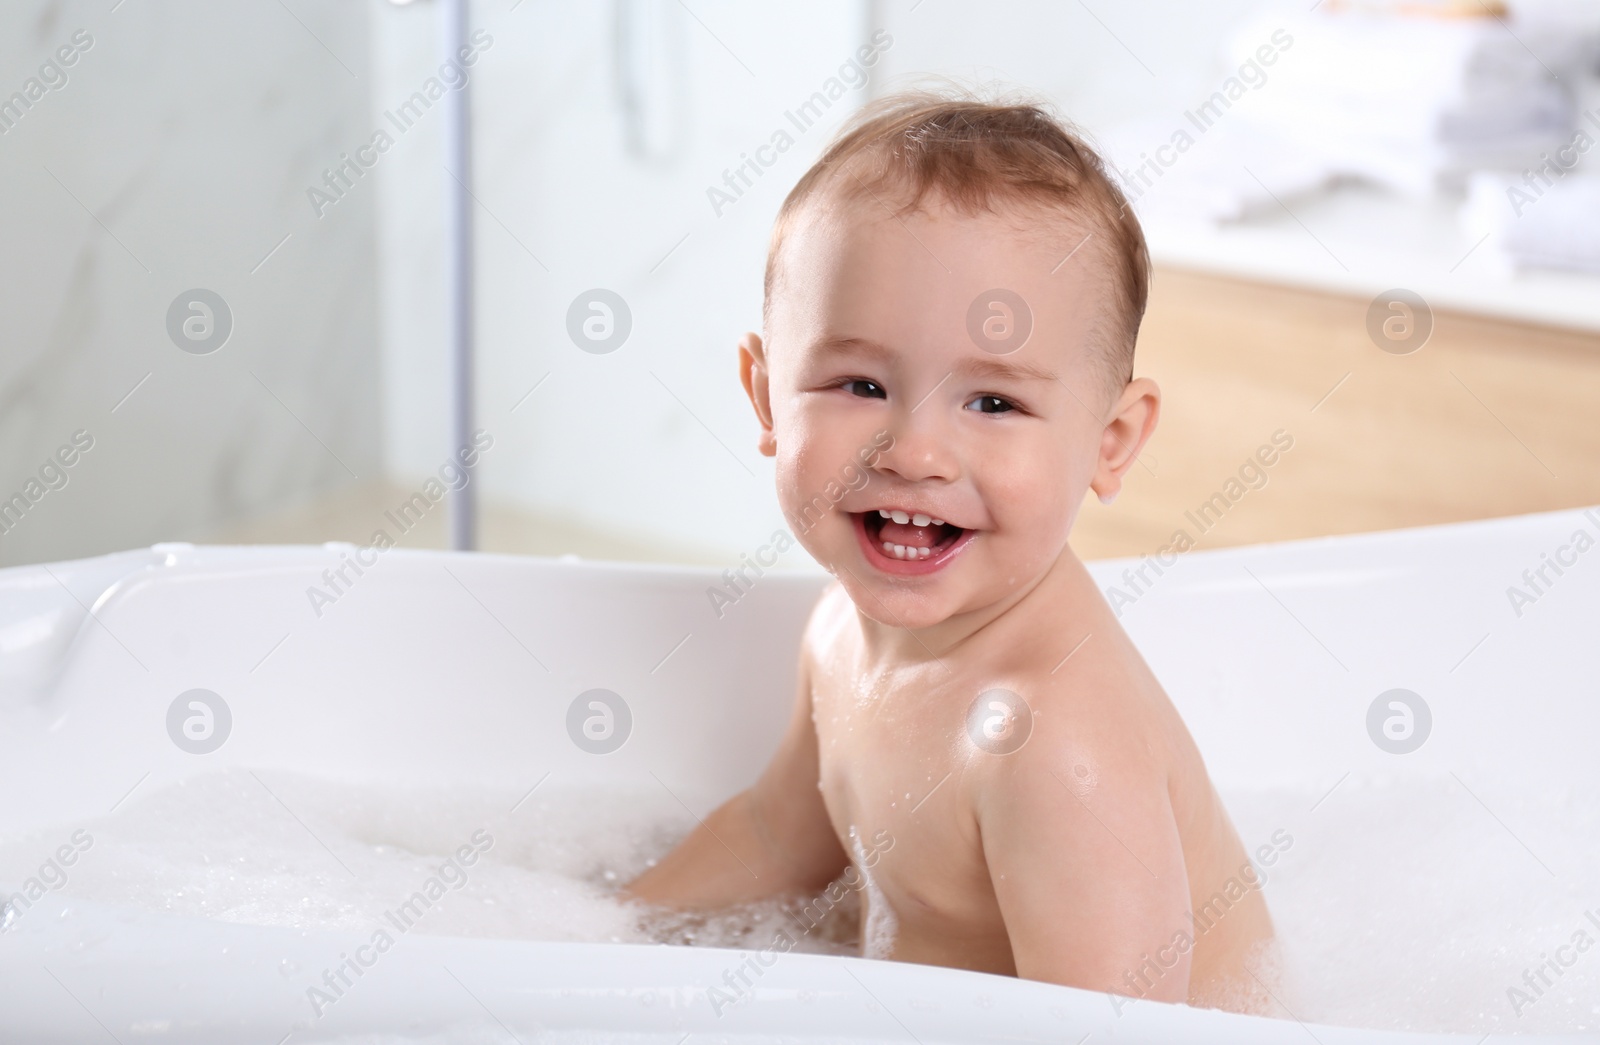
x,y
1550,222
1414,103
1226,173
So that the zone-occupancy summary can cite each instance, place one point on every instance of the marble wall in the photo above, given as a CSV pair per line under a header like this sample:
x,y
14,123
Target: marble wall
x,y
576,190
159,147
277,154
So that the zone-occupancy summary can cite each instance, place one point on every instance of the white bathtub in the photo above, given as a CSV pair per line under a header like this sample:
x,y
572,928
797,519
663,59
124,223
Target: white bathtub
x,y
427,670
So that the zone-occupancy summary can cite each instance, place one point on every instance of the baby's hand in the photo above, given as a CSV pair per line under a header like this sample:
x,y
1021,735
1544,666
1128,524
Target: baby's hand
x,y
775,837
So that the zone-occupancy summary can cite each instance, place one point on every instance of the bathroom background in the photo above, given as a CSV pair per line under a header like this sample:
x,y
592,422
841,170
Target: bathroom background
x,y
1299,172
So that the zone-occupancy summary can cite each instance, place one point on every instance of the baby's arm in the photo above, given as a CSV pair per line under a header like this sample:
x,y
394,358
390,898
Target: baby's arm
x,y
1087,864
774,837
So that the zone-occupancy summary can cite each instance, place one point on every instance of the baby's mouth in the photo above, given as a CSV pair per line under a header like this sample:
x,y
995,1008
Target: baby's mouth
x,y
909,536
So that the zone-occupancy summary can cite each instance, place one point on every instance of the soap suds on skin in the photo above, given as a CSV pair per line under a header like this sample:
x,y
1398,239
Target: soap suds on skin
x,y
877,935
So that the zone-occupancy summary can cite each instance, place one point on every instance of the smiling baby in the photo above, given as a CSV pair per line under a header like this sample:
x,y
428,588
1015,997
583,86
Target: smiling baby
x,y
952,297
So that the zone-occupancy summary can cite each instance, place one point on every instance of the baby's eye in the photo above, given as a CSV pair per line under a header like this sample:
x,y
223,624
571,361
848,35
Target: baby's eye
x,y
866,389
990,405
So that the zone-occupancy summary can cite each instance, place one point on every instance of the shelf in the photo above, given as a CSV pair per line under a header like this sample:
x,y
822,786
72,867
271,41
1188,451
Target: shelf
x,y
1361,241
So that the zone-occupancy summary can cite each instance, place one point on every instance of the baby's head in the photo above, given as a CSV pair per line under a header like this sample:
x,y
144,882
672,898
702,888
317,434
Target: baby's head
x,y
952,297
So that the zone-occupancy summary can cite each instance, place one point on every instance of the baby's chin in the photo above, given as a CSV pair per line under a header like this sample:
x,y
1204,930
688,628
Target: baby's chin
x,y
911,614
918,608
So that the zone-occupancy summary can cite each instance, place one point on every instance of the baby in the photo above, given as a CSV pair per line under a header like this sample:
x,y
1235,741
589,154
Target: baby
x,y
952,297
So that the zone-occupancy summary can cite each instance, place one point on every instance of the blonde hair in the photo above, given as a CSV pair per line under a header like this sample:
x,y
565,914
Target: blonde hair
x,y
974,154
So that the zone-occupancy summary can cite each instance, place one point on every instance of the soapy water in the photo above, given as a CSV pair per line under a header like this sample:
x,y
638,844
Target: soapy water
x,y
1407,907
1425,906
273,849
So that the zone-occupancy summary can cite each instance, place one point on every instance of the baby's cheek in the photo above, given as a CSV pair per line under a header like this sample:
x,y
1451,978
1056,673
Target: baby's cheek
x,y
791,504
1032,487
1037,519
791,481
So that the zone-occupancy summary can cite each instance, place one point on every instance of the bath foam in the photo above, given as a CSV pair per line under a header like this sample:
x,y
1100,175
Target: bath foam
x,y
1406,907
266,848
877,941
1412,906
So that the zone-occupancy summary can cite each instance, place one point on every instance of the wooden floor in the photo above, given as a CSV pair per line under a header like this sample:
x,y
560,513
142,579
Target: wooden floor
x,y
1488,418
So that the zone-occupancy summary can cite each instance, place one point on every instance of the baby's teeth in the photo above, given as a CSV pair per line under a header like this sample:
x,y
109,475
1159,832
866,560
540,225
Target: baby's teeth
x,y
883,512
905,551
920,520
900,517
937,522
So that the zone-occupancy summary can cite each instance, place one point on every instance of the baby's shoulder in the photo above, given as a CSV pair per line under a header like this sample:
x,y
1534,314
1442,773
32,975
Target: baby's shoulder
x,y
1095,705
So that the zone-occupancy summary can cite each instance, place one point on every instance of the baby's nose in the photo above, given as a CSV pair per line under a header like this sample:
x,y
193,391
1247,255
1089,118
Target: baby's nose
x,y
920,452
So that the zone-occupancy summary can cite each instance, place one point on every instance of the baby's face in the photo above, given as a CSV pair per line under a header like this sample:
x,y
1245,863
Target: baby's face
x,y
883,324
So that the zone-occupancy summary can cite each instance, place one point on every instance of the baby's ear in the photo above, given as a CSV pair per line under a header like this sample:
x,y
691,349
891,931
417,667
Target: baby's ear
x,y
753,374
1133,420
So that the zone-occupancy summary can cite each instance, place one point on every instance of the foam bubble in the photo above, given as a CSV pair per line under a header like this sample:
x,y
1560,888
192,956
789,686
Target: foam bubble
x,y
1420,906
280,850
1408,907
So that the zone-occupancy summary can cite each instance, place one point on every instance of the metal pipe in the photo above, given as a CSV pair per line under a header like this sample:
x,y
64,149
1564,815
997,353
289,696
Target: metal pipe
x,y
461,504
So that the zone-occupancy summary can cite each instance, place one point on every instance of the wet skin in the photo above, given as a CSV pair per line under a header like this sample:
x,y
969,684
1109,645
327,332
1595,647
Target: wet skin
x,y
1084,855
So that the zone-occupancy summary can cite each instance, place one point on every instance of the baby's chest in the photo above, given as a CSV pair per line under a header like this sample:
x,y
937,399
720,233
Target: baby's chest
x,y
874,743
890,779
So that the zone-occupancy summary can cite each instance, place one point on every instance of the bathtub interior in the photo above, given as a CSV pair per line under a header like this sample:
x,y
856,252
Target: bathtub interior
x,y
438,670
429,668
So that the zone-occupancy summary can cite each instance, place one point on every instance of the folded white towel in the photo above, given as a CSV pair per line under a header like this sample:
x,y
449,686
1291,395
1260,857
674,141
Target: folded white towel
x,y
1413,102
1228,172
1532,224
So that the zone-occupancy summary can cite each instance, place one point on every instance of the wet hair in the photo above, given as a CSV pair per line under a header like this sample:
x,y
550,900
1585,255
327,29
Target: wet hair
x,y
978,156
